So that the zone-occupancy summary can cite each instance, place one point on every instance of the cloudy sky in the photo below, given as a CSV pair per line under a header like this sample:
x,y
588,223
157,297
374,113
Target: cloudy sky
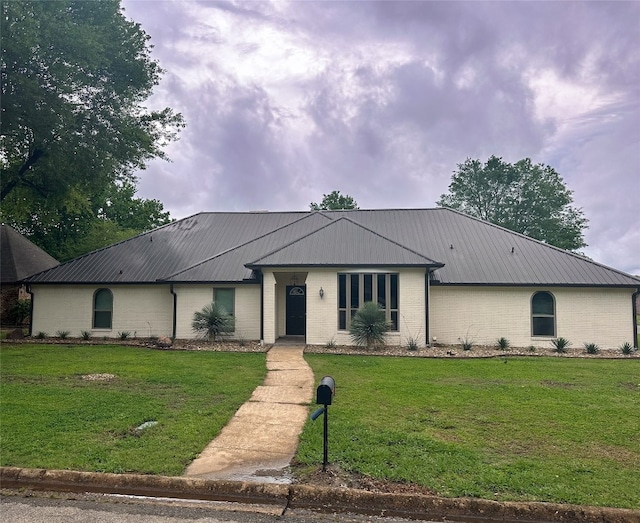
x,y
288,100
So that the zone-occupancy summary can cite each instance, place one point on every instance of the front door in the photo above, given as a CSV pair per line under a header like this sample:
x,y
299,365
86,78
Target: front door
x,y
296,310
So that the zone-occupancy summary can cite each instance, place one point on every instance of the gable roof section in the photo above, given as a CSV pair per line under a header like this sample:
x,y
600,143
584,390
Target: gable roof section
x,y
343,243
223,247
20,258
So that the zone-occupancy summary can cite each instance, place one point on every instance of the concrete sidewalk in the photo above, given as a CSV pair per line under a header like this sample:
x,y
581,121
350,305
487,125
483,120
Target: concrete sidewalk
x,y
261,439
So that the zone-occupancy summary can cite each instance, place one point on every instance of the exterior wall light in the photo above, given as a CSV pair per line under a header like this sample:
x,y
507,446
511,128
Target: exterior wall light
x,y
321,293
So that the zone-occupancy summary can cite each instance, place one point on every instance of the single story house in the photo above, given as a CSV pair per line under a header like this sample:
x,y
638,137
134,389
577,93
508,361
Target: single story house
x,y
439,275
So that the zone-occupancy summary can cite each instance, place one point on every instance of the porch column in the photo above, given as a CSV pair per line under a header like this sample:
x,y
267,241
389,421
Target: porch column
x,y
269,306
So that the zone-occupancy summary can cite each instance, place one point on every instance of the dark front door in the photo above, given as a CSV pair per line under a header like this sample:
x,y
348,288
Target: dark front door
x,y
296,310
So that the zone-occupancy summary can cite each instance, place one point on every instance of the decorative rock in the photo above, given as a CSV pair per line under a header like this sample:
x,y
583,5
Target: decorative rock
x,y
164,341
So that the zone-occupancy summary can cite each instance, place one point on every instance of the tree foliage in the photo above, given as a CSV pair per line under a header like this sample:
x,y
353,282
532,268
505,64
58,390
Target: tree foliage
x,y
334,201
523,197
75,76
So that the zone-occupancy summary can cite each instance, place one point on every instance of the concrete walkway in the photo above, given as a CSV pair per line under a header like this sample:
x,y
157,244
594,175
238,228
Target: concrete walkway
x,y
261,438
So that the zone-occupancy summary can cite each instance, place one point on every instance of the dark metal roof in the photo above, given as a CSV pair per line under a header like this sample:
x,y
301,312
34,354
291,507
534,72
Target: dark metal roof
x,y
223,247
343,243
20,258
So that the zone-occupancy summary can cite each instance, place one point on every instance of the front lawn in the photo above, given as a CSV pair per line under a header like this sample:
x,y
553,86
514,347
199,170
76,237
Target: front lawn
x,y
78,407
545,429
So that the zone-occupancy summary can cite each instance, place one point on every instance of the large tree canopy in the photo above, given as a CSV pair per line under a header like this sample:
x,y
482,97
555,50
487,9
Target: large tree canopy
x,y
334,201
523,197
75,75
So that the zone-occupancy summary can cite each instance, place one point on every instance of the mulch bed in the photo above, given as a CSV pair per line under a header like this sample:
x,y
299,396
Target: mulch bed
x,y
437,351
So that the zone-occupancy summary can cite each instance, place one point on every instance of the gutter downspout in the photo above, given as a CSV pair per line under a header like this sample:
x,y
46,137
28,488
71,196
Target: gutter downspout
x,y
30,293
261,278
426,306
175,312
634,307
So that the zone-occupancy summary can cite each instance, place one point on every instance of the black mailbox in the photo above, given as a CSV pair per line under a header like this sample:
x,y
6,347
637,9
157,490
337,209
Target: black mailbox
x,y
325,391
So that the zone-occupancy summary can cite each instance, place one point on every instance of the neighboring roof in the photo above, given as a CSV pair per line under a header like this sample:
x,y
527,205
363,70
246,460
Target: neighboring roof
x,y
224,247
19,258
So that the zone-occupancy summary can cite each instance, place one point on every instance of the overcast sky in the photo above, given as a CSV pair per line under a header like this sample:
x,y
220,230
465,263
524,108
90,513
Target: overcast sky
x,y
287,101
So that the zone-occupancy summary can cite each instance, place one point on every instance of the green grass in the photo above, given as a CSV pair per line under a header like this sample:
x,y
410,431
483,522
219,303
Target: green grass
x,y
52,418
546,429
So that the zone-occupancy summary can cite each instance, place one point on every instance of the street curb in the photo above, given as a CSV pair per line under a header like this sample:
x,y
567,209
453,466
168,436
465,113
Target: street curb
x,y
322,499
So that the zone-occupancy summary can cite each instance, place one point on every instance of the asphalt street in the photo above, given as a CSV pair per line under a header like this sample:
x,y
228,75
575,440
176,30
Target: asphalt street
x,y
55,508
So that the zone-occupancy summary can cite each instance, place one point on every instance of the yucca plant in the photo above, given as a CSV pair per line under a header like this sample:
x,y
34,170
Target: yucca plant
x,y
560,344
467,343
369,325
63,335
503,343
212,322
412,344
591,348
627,349
85,335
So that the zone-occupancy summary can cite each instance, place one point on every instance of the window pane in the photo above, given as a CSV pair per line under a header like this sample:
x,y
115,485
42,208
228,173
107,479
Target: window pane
x,y
342,291
394,291
224,299
342,320
368,287
382,291
102,320
543,326
394,320
355,291
103,300
542,303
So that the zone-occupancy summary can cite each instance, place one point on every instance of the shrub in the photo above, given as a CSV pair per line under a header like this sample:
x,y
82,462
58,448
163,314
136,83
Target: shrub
x,y
20,311
627,349
62,334
369,325
467,343
560,344
212,322
591,348
412,344
124,335
41,335
85,335
331,344
503,343
532,348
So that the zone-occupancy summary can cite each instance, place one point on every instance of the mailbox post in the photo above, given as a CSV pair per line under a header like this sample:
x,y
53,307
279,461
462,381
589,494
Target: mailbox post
x,y
324,396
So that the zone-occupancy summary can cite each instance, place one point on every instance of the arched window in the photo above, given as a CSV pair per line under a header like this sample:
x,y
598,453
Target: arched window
x,y
102,309
543,314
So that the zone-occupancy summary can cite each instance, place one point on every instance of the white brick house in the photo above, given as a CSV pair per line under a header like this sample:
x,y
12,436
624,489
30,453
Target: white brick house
x,y
439,275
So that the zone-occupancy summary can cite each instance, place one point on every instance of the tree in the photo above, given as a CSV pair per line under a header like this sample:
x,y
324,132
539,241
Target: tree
x,y
334,201
79,224
523,197
75,76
